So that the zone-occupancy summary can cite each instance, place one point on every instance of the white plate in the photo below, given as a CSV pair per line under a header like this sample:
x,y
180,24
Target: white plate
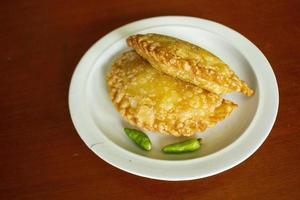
x,y
224,146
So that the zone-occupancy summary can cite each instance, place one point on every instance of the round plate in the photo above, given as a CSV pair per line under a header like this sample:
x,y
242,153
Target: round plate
x,y
224,146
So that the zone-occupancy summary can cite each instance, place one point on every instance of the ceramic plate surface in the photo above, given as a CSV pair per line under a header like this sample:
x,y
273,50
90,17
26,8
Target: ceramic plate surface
x,y
224,146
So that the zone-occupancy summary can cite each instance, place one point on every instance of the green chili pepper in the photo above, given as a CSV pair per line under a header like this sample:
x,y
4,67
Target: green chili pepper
x,y
140,138
185,146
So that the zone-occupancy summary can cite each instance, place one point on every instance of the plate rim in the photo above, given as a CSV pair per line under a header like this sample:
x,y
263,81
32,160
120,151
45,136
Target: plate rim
x,y
99,147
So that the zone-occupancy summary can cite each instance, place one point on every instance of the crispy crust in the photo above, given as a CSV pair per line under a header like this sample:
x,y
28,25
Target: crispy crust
x,y
157,102
188,62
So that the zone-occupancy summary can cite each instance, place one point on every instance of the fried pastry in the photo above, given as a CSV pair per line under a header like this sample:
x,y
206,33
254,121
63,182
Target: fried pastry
x,y
154,101
188,62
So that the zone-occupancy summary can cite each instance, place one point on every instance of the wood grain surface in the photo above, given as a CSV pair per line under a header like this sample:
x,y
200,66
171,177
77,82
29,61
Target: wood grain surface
x,y
42,156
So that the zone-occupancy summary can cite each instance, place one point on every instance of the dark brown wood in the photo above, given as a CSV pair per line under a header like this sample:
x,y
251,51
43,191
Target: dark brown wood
x,y
42,156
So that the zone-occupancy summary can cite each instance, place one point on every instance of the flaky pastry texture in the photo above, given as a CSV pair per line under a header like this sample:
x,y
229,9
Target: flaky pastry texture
x,y
188,62
154,101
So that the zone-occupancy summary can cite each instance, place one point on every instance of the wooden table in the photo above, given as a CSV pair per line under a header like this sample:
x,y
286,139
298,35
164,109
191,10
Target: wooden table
x,y
42,156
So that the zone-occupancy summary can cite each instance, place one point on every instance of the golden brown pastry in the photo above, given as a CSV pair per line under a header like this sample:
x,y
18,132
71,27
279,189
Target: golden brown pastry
x,y
157,102
188,62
